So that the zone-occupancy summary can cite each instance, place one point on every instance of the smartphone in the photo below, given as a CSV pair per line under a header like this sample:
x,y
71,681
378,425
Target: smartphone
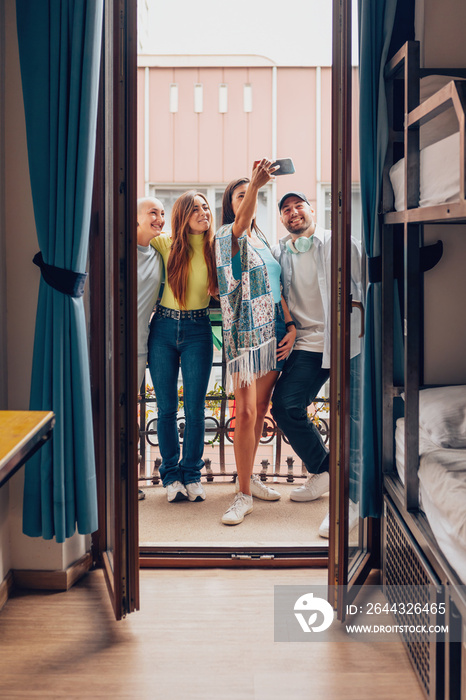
x,y
286,166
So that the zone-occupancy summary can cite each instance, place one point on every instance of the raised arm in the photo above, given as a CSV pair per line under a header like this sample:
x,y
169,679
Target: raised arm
x,y
261,175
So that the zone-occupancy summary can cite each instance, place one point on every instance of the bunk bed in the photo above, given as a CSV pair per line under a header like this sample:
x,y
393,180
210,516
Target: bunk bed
x,y
424,451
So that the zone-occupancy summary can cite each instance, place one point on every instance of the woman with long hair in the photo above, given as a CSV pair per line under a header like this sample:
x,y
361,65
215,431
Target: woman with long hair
x,y
181,335
258,330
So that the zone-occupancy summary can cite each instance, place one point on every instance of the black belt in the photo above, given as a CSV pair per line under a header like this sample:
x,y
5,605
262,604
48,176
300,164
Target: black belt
x,y
179,315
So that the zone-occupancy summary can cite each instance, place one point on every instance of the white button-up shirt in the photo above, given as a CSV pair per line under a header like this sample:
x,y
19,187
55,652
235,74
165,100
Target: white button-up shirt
x,y
322,244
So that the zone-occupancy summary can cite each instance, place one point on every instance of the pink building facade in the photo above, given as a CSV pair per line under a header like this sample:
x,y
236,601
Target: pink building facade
x,y
203,120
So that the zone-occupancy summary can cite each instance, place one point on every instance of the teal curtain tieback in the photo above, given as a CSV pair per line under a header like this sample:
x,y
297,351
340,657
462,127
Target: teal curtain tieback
x,y
64,281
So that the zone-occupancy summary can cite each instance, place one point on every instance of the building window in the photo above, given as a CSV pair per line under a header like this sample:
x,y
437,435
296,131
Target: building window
x,y
328,208
223,98
198,98
247,97
173,100
356,221
214,195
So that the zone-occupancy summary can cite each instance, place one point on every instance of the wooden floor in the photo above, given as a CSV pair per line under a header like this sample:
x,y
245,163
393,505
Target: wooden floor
x,y
200,635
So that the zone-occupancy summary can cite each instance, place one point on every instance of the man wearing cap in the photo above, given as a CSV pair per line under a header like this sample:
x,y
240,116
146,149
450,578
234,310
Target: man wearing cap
x,y
305,257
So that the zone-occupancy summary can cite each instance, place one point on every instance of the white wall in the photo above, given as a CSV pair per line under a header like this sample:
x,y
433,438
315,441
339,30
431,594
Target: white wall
x,y
22,281
444,300
5,557
3,373
5,552
443,46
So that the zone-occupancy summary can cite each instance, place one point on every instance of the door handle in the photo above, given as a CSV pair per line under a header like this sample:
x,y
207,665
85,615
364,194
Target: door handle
x,y
358,305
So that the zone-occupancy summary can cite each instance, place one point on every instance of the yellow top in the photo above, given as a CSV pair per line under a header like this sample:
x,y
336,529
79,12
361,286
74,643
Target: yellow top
x,y
196,293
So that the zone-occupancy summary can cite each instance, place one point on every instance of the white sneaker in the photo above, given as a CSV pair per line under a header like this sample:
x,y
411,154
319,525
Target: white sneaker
x,y
353,518
314,486
241,506
176,492
324,529
260,490
195,491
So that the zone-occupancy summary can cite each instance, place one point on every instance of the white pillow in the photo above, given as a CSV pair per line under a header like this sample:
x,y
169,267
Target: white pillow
x,y
442,414
397,179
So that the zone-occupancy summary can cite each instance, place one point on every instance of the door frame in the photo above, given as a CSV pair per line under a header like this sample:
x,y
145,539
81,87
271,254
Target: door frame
x,y
113,310
342,583
114,214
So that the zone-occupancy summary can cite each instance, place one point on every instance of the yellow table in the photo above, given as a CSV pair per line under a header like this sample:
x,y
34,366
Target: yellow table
x,y
22,433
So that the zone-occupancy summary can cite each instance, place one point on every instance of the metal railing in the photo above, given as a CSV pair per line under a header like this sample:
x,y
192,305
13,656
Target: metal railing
x,y
276,457
219,433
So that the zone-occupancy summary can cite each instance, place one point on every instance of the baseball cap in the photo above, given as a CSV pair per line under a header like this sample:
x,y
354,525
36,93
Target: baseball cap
x,y
292,194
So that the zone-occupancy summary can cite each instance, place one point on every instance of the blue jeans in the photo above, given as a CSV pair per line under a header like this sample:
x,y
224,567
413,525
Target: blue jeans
x,y
297,387
187,342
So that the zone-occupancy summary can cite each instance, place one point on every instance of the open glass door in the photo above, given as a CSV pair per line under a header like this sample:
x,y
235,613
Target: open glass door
x,y
113,311
350,542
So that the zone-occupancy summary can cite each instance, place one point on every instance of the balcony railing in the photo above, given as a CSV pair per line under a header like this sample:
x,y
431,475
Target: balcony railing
x,y
275,455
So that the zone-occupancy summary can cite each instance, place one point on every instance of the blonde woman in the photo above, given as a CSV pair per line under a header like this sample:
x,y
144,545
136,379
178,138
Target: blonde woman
x,y
181,336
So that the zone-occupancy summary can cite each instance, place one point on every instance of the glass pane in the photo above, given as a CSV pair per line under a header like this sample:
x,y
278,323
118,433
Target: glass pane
x,y
218,208
262,213
356,539
328,210
168,196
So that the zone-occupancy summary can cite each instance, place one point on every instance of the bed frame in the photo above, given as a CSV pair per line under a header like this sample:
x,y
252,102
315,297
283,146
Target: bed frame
x,y
410,552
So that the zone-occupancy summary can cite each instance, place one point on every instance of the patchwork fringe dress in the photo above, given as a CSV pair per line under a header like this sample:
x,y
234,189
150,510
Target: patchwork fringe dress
x,y
248,312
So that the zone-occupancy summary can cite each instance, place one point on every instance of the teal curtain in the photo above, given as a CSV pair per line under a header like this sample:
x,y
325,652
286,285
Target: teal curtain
x,y
59,47
376,19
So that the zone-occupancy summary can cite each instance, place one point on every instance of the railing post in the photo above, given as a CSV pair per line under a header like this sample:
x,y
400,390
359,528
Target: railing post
x,y
208,468
265,465
156,474
289,464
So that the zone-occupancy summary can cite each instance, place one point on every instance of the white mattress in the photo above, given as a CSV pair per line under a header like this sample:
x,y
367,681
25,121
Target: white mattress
x,y
439,174
442,492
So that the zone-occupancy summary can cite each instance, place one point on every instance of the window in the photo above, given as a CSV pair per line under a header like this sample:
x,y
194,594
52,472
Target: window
x,y
198,98
247,97
223,98
356,221
173,97
214,194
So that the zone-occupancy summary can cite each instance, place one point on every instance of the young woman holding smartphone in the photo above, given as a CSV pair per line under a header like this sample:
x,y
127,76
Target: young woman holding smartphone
x,y
258,330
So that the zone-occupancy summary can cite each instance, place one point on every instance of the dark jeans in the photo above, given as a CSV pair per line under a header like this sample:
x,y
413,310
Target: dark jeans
x,y
297,387
187,342
280,332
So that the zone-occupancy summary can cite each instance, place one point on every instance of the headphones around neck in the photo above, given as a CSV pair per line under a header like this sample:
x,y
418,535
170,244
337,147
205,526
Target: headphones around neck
x,y
301,245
